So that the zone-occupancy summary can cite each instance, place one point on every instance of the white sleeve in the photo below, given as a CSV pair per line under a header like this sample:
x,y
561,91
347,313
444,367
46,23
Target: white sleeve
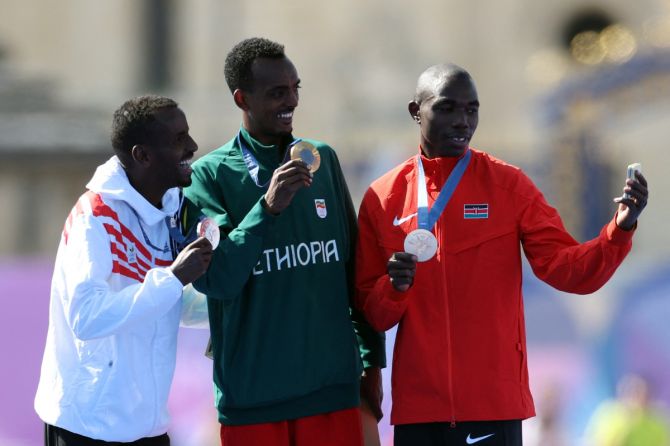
x,y
194,308
91,308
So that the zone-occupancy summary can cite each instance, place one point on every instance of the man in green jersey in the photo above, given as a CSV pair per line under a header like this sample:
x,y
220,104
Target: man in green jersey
x,y
287,362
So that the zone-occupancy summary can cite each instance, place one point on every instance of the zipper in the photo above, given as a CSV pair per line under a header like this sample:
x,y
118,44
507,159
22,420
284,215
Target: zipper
x,y
153,370
447,315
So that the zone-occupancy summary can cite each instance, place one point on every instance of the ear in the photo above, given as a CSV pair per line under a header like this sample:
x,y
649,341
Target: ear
x,y
240,99
414,107
140,154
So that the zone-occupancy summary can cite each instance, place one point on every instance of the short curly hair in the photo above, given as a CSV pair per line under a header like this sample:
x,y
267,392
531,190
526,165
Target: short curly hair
x,y
238,61
132,123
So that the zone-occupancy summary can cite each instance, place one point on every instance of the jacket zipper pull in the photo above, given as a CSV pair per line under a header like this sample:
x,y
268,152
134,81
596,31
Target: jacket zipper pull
x,y
453,423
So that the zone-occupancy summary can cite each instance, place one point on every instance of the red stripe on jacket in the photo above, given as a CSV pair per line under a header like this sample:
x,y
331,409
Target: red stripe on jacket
x,y
101,209
76,211
122,270
122,256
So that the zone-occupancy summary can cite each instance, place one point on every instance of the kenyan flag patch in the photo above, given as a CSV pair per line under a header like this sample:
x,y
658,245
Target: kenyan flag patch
x,y
474,211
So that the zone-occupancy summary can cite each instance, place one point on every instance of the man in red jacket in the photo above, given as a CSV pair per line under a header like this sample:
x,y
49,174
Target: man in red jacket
x,y
439,254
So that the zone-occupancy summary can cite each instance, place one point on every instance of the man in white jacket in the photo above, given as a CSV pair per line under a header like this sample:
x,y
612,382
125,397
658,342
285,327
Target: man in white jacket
x,y
116,292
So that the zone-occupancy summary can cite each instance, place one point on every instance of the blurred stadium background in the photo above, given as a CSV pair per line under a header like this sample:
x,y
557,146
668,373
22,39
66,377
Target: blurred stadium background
x,y
571,91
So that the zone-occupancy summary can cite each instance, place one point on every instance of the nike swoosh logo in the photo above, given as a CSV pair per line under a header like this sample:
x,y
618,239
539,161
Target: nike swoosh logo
x,y
471,440
398,221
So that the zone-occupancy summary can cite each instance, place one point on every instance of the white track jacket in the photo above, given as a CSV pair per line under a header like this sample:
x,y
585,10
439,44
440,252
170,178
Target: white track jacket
x,y
114,315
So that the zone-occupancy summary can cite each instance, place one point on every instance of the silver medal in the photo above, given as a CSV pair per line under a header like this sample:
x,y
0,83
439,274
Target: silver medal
x,y
422,243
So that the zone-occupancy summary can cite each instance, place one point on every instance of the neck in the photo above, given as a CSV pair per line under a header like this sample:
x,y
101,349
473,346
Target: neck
x,y
263,138
447,153
148,189
280,141
266,140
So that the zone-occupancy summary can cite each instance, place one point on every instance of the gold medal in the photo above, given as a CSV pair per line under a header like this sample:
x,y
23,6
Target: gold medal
x,y
308,154
422,243
207,228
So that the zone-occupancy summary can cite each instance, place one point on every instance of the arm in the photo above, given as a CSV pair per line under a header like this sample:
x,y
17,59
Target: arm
x,y
381,303
557,258
371,343
241,245
236,255
194,309
91,308
190,264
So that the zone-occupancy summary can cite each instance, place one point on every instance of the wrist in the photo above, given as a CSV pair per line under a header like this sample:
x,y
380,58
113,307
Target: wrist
x,y
266,207
392,293
626,228
623,224
177,275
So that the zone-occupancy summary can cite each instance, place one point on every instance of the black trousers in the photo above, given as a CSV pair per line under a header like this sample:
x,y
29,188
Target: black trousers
x,y
55,436
480,433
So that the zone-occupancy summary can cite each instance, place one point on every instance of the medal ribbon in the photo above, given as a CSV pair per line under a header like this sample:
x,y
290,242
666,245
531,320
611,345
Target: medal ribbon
x,y
146,237
251,161
175,228
425,218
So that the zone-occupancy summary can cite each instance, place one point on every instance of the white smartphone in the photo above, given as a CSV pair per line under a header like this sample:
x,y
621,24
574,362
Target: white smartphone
x,y
630,173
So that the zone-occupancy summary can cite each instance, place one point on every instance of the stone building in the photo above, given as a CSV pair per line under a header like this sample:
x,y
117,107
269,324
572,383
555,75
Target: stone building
x,y
571,91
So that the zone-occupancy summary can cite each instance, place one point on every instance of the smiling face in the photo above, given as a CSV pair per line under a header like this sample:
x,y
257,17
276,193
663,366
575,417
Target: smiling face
x,y
171,149
447,109
270,102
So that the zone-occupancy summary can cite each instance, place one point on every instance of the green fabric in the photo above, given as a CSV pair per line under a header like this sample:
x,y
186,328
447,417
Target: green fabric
x,y
279,290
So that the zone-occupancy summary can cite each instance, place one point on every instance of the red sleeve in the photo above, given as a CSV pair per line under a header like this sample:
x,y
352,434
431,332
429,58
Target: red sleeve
x,y
556,257
381,304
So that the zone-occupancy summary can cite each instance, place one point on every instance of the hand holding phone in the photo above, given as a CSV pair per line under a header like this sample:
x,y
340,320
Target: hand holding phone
x,y
634,198
630,174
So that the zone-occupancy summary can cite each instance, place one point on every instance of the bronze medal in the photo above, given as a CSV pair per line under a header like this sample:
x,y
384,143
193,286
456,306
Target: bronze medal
x,y
207,228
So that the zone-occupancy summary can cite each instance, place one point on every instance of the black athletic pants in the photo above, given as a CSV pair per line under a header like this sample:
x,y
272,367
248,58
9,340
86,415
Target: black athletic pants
x,y
480,433
55,436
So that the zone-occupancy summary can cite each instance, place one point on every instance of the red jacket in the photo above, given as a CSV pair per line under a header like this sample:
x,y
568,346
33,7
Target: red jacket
x,y
460,350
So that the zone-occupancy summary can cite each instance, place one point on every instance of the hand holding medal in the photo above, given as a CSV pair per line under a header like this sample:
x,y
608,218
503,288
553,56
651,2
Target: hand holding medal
x,y
208,228
401,268
422,243
307,153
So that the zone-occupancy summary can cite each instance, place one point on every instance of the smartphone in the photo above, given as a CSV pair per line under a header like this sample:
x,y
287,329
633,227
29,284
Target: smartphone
x,y
630,173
